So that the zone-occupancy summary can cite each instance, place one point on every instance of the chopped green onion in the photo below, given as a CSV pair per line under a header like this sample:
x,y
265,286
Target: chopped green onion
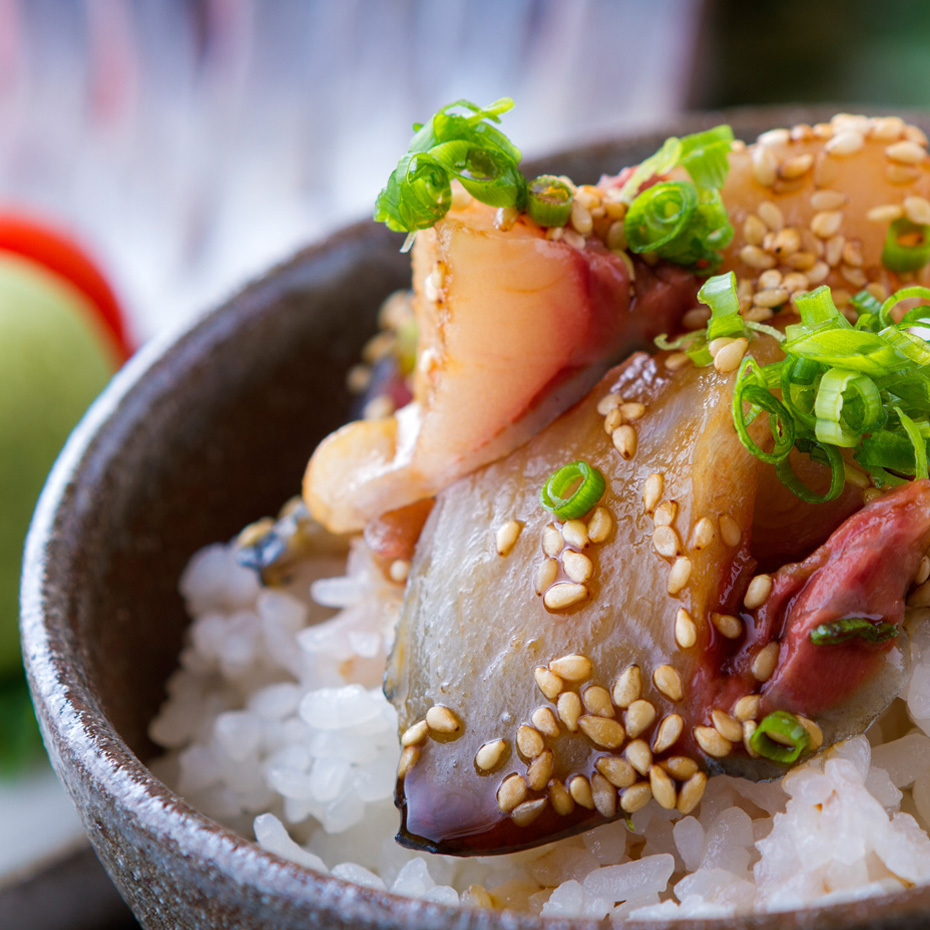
x,y
719,293
780,737
917,441
660,215
905,293
835,632
848,404
907,246
750,389
549,200
583,484
831,456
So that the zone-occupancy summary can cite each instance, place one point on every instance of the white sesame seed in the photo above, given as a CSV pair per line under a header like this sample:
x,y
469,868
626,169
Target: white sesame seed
x,y
915,134
770,278
796,166
747,707
670,729
578,567
833,250
827,200
696,318
917,210
846,142
624,440
801,261
602,731
886,128
901,174
563,595
729,728
596,700
569,709
730,356
826,223
616,770
572,667
562,802
678,575
575,533
607,403
524,814
552,541
399,570
685,630
729,626
818,273
854,276
636,797
652,491
785,243
702,535
765,662
923,571
764,165
580,790
616,236
633,411
665,513
600,525
613,420
604,795
441,719
408,759
749,727
712,742
490,754
676,360
813,731
754,257
639,716
529,742
770,214
544,721
507,536
886,213
758,592
663,788
505,218
730,532
574,239
548,682
802,133
795,281
691,793
581,218
511,793
665,541
628,687
415,734
906,152
546,573
753,230
774,137
668,681
639,755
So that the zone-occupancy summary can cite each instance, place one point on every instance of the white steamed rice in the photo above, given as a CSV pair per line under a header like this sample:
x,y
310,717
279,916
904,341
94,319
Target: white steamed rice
x,y
275,725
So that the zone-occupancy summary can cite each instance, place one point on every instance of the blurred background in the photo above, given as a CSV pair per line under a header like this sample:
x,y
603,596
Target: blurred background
x,y
156,154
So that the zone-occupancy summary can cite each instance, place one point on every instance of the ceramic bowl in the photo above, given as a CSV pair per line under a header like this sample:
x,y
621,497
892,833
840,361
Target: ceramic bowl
x,y
197,437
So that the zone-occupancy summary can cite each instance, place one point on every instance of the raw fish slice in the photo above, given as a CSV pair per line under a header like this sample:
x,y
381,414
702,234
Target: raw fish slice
x,y
514,328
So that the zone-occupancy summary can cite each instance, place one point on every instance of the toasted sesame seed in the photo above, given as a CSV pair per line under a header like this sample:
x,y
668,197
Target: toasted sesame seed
x,y
608,402
886,213
665,513
712,742
546,573
801,133
613,420
749,727
758,591
625,441
813,731
703,534
604,795
826,223
774,137
917,210
696,318
818,273
529,742
633,411
764,165
399,570
828,200
901,174
852,254
691,792
616,770
636,797
668,681
666,541
580,791
770,278
441,719
628,687
729,530
549,683
569,709
544,721
906,152
771,215
616,235
877,290
795,281
846,142
787,242
639,716
575,533
524,814
796,166
729,626
758,314
507,536
854,276
574,239
801,261
670,729
871,494
765,662
755,257
572,667
552,541
886,128
460,197
685,630
415,734
600,525
680,767
676,360
511,793
581,218
678,574
754,230
564,595
578,567
729,357
728,727
597,701
562,802
602,731
915,134
747,707
652,491
408,759
490,754
539,770
663,788
923,571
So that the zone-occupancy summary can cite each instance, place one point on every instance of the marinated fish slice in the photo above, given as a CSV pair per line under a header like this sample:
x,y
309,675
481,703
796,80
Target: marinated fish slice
x,y
514,328
476,637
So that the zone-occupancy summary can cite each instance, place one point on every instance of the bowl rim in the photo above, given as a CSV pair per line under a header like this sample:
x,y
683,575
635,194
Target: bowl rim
x,y
67,716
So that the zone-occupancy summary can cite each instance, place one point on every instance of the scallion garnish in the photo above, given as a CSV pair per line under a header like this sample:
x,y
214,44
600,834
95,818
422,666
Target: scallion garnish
x,y
907,246
835,632
781,737
549,200
573,490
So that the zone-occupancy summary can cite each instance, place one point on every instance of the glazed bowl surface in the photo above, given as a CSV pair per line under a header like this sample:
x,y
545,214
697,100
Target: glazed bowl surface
x,y
201,434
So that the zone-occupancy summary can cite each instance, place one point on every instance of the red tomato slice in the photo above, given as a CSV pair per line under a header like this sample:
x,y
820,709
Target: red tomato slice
x,y
63,256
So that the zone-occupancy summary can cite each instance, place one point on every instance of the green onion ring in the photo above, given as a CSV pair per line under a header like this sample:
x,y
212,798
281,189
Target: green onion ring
x,y
788,727
549,200
917,441
842,631
585,496
900,257
781,424
790,480
659,215
904,293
